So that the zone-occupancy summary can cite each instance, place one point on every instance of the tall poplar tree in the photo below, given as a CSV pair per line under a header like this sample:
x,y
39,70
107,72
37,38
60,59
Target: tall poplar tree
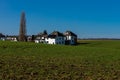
x,y
22,31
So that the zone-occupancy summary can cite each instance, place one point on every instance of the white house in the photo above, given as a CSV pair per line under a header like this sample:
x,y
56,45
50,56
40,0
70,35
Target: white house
x,y
71,38
41,37
12,38
55,38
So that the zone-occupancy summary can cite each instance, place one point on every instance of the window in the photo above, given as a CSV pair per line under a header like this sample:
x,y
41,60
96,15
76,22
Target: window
x,y
59,42
72,37
60,38
72,40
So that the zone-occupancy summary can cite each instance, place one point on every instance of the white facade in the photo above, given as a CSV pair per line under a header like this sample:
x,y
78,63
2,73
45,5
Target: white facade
x,y
3,38
57,40
56,37
41,39
50,40
71,39
37,41
12,39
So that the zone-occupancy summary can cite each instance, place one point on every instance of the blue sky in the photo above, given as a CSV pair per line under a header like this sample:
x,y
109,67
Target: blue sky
x,y
86,18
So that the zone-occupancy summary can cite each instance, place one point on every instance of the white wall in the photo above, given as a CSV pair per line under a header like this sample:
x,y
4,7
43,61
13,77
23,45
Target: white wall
x,y
71,38
12,39
3,39
50,41
37,41
57,40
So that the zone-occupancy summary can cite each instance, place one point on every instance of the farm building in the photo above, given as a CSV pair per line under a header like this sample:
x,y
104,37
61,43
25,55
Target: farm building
x,y
11,38
68,38
55,38
40,38
71,38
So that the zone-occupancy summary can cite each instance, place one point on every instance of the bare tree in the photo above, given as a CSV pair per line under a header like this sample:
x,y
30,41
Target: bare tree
x,y
22,31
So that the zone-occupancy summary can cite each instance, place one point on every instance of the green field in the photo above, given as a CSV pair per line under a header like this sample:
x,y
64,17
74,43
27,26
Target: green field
x,y
89,60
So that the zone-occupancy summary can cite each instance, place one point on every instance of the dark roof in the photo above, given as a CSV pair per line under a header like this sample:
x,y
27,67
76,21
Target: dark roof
x,y
42,35
70,33
1,35
12,36
55,34
52,36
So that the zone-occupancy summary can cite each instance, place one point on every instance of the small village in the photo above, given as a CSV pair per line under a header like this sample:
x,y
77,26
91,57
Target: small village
x,y
56,37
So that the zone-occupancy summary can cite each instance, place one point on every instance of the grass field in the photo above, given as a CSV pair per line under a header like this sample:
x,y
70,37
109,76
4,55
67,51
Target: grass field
x,y
90,60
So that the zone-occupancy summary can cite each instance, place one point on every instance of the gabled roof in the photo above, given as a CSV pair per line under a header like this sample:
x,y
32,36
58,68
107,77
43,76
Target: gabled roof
x,y
42,35
1,35
70,33
55,34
